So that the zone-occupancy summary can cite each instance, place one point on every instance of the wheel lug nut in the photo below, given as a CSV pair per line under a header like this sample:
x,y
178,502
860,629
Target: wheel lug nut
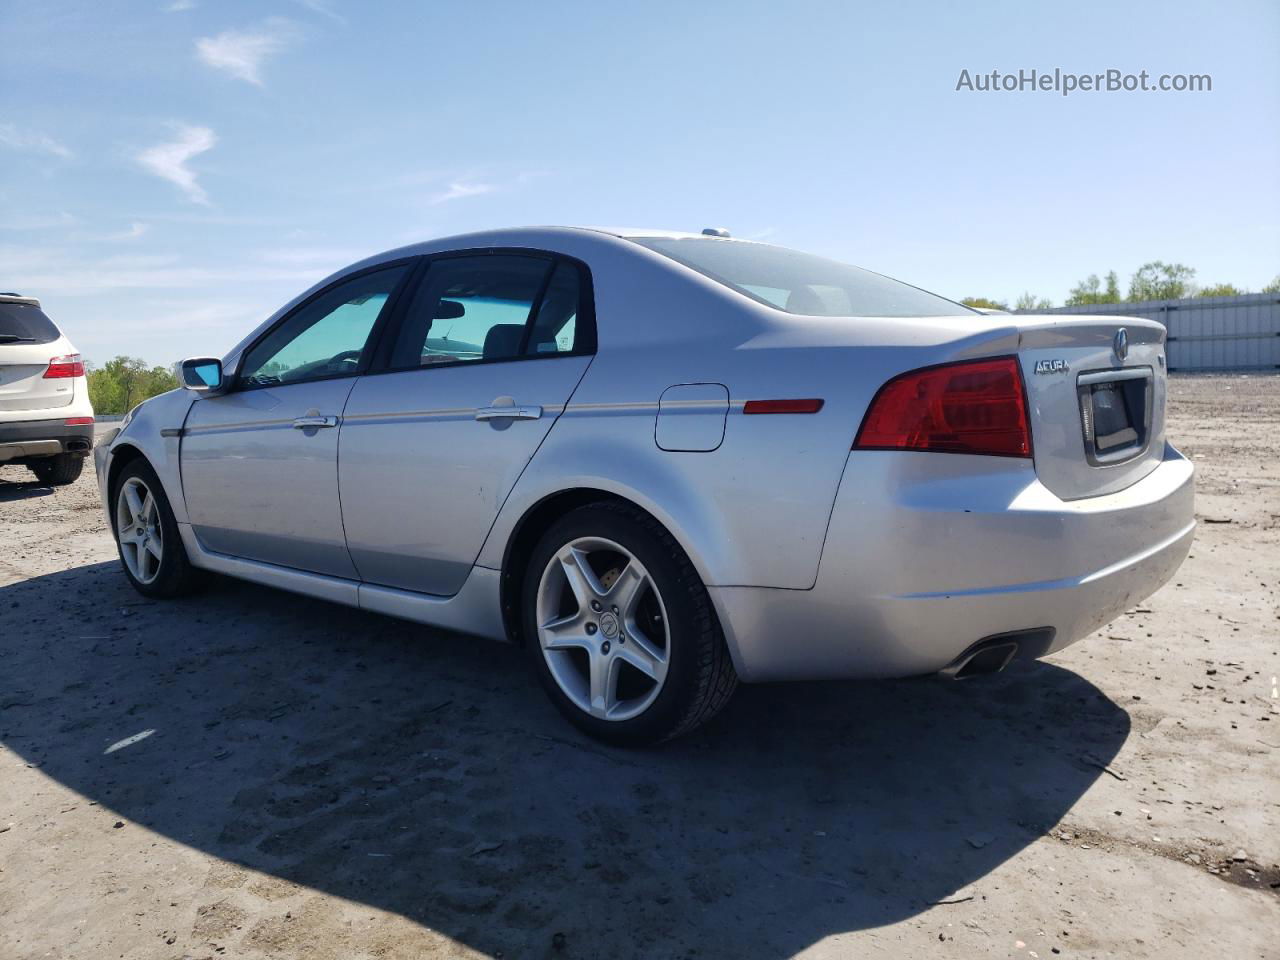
x,y
595,605
615,610
591,628
605,648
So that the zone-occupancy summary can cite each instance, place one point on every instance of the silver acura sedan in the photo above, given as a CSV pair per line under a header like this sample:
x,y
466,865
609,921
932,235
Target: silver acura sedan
x,y
665,462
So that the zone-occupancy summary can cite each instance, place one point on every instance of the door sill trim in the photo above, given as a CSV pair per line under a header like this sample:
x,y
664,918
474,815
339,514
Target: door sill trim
x,y
475,609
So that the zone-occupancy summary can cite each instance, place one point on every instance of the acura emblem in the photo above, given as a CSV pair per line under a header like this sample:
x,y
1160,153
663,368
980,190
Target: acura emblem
x,y
1120,346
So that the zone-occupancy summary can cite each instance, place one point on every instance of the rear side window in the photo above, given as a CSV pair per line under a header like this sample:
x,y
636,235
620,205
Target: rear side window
x,y
471,308
555,326
800,282
25,323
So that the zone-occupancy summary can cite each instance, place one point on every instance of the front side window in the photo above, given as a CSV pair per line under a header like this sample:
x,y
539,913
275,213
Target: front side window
x,y
475,308
800,282
325,338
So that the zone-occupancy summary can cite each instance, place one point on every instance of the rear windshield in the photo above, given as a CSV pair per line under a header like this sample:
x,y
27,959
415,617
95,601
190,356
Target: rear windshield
x,y
800,282
25,323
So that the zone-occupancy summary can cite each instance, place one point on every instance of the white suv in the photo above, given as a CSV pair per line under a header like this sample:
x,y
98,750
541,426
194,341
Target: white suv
x,y
46,420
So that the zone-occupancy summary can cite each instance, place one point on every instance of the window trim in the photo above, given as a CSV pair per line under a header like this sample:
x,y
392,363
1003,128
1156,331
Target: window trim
x,y
367,351
586,316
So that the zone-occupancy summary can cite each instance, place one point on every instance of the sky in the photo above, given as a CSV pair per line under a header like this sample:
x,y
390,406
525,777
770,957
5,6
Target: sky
x,y
172,171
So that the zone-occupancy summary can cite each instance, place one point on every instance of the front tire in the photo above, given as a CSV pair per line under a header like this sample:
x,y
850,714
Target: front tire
x,y
620,629
147,538
59,470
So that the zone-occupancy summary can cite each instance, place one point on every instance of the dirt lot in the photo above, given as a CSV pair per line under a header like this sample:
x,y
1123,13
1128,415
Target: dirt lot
x,y
250,774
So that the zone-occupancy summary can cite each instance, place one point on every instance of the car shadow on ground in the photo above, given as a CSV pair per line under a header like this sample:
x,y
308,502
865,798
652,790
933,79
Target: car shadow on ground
x,y
11,490
426,774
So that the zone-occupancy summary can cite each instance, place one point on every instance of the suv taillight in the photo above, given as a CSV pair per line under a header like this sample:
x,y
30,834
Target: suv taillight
x,y
976,406
69,366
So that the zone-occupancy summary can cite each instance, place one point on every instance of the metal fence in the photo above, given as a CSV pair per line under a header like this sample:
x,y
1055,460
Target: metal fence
x,y
1209,333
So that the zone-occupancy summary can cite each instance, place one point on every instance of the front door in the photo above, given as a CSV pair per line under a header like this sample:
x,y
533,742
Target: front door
x,y
487,355
259,464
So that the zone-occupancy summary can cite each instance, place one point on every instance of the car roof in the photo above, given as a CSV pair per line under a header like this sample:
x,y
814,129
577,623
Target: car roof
x,y
519,236
630,233
19,298
531,236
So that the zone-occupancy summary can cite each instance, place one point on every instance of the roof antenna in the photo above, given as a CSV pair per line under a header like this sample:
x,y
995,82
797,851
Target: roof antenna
x,y
715,232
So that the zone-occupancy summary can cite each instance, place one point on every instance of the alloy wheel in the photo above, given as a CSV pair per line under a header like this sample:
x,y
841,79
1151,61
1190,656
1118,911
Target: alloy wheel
x,y
139,530
603,629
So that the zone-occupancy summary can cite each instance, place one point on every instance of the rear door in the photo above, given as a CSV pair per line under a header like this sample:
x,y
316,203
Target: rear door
x,y
483,361
259,464
28,341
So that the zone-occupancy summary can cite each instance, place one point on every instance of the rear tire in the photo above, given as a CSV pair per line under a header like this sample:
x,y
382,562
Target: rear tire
x,y
620,629
147,538
58,471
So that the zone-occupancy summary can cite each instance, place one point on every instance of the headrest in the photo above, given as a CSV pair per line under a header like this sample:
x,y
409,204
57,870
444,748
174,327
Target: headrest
x,y
805,299
503,340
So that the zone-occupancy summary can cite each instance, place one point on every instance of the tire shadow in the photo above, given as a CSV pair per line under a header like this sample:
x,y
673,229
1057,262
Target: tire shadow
x,y
426,774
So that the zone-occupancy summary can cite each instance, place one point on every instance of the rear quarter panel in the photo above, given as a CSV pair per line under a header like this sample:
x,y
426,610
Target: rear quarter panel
x,y
755,510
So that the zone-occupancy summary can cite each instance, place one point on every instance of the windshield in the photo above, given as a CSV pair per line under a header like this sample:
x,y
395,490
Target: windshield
x,y
25,323
800,282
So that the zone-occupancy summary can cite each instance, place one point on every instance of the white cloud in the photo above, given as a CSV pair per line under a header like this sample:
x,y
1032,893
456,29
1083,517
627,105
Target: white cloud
x,y
59,270
330,258
169,160
179,5
241,53
460,189
136,229
36,221
11,136
323,8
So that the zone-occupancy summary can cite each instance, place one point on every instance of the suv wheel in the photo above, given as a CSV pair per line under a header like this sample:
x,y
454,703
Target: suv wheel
x,y
58,471
621,630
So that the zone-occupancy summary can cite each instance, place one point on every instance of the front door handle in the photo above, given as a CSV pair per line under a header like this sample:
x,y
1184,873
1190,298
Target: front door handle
x,y
509,411
302,423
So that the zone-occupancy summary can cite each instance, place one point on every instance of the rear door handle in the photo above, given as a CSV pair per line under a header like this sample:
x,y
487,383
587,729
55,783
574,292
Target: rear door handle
x,y
303,423
526,411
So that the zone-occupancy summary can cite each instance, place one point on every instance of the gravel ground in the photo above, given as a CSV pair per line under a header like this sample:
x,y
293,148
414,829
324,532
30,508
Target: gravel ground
x,y
251,774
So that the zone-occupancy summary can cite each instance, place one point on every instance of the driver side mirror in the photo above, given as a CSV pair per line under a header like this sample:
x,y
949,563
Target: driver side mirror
x,y
203,375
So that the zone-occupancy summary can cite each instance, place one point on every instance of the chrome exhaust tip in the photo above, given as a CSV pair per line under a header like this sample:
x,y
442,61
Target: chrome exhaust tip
x,y
992,654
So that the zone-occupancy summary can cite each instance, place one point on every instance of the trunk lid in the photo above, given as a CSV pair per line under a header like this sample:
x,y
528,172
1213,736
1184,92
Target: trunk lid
x,y
1096,395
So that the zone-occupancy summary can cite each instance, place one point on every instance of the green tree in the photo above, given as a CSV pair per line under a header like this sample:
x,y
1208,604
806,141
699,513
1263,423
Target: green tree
x,y
984,304
1091,290
1220,290
1029,302
121,384
1273,286
1158,280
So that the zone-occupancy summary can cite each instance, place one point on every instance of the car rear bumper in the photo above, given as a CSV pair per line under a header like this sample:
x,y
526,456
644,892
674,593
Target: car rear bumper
x,y
920,566
29,439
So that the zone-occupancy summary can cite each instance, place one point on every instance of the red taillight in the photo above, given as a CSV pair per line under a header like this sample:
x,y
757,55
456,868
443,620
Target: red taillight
x,y
812,405
971,407
78,421
69,366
